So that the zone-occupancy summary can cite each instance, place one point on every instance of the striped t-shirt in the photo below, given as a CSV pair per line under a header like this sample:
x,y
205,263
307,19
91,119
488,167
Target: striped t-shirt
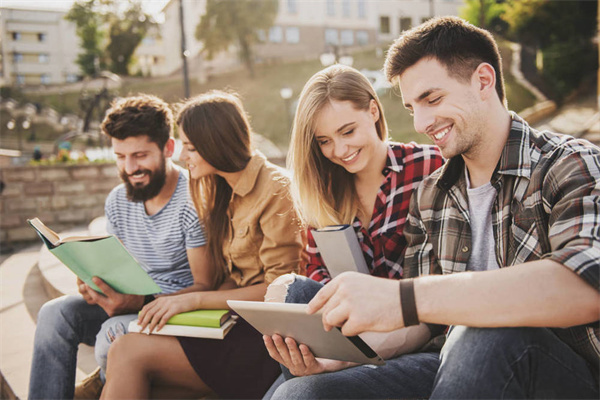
x,y
158,242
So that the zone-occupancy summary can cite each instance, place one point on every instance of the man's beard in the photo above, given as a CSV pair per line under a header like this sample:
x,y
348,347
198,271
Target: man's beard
x,y
139,193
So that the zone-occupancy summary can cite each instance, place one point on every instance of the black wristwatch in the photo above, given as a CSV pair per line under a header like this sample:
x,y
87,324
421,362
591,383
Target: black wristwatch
x,y
148,298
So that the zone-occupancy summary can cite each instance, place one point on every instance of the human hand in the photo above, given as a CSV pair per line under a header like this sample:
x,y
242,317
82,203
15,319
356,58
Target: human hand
x,y
113,302
155,314
298,358
357,303
83,289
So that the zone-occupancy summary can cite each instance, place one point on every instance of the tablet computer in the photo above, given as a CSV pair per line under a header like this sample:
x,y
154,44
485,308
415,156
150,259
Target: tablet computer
x,y
291,320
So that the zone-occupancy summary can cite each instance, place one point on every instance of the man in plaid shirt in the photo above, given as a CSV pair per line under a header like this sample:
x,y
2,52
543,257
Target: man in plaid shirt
x,y
509,196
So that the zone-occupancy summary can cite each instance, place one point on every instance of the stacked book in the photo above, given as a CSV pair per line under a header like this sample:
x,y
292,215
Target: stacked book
x,y
211,324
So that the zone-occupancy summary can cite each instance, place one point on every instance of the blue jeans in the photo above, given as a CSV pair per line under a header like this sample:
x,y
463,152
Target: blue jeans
x,y
63,324
511,363
408,376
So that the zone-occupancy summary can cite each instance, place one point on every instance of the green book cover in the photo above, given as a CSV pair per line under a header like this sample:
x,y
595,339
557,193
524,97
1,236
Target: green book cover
x,y
104,257
205,318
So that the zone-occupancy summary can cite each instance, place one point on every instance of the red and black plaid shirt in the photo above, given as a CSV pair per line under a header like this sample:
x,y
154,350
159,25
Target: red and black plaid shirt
x,y
383,241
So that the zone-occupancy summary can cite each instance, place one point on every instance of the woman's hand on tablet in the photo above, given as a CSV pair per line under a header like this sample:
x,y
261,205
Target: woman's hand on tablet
x,y
299,359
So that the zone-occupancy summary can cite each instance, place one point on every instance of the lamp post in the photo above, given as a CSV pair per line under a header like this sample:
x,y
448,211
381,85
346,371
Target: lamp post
x,y
286,94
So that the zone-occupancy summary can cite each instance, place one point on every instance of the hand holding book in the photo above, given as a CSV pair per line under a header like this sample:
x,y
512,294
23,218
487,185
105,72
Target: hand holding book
x,y
155,314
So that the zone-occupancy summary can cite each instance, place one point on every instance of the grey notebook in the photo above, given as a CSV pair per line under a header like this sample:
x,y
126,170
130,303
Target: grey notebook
x,y
340,249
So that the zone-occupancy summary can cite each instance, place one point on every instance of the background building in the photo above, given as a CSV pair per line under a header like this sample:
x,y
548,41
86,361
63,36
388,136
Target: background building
x,y
302,29
38,47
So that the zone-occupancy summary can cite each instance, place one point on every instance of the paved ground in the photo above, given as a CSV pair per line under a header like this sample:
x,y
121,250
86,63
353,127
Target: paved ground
x,y
22,289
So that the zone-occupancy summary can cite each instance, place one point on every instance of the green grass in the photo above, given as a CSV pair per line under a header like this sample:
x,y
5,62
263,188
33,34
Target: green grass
x,y
263,102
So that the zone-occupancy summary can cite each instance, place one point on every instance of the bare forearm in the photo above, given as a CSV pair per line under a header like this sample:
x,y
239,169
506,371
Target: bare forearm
x,y
196,287
540,293
218,298
400,341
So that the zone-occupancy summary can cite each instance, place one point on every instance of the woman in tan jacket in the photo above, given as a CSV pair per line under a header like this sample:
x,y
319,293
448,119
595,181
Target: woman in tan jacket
x,y
254,237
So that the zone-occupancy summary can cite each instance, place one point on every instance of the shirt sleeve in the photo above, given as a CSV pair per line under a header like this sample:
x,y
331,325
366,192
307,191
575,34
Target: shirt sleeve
x,y
109,211
315,268
571,196
193,228
419,257
282,242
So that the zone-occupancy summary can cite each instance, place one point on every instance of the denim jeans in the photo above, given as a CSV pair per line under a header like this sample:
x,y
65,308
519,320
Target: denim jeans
x,y
63,324
511,363
408,376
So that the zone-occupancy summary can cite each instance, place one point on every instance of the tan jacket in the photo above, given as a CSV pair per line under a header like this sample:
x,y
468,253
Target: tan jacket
x,y
264,236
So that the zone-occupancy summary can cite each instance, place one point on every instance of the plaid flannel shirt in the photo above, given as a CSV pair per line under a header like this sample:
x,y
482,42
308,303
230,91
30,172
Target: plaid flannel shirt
x,y
383,242
547,206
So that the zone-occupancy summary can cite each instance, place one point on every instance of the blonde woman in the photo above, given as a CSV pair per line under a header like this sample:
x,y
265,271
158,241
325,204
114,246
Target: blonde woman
x,y
346,171
254,237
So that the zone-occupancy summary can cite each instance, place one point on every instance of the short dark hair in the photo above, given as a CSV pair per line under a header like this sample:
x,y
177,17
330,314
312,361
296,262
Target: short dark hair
x,y
141,115
454,42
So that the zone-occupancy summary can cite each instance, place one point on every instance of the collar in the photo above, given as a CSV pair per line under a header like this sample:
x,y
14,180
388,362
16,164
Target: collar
x,y
391,163
249,175
514,160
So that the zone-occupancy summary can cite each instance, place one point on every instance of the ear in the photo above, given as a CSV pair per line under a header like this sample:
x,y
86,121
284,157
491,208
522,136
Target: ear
x,y
485,79
169,147
374,110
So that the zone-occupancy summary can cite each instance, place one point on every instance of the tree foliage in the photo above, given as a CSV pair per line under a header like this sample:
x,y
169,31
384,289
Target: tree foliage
x,y
110,31
227,23
563,31
484,13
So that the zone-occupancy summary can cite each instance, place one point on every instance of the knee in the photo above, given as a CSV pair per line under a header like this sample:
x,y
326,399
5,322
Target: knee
x,y
110,331
308,387
57,316
127,349
278,289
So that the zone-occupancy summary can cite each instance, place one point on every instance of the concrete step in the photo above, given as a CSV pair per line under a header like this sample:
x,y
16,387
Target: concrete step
x,y
29,278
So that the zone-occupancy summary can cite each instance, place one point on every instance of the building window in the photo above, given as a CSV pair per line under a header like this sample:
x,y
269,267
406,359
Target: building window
x,y
384,24
275,34
292,6
331,36
405,23
17,57
16,36
362,38
43,58
72,78
362,9
20,79
45,79
425,19
42,37
347,36
292,35
346,8
330,8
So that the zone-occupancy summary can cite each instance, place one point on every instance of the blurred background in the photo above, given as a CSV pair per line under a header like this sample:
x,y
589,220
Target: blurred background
x,y
63,61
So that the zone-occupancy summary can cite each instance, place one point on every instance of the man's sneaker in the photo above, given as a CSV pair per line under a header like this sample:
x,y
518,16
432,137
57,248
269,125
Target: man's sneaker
x,y
90,387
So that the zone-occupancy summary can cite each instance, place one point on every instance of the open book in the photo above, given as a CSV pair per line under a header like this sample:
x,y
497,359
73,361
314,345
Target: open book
x,y
101,256
171,329
340,249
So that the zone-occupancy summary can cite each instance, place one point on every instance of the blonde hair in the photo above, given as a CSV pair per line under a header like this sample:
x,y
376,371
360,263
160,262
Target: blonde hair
x,y
324,192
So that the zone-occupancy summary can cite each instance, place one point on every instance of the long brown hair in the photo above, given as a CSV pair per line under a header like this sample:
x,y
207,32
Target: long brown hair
x,y
217,125
324,192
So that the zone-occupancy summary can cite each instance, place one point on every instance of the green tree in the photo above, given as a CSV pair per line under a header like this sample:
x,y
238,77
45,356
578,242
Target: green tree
x,y
88,24
110,31
126,32
563,31
237,22
483,13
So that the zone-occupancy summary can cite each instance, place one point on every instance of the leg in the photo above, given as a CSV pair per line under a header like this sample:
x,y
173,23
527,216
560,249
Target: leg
x,y
111,329
511,363
62,324
137,363
409,376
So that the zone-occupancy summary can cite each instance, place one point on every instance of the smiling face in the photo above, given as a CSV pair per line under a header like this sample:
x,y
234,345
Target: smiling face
x,y
194,162
142,166
347,136
447,110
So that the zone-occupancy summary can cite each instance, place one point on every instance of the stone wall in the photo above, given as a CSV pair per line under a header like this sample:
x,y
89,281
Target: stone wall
x,y
61,196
